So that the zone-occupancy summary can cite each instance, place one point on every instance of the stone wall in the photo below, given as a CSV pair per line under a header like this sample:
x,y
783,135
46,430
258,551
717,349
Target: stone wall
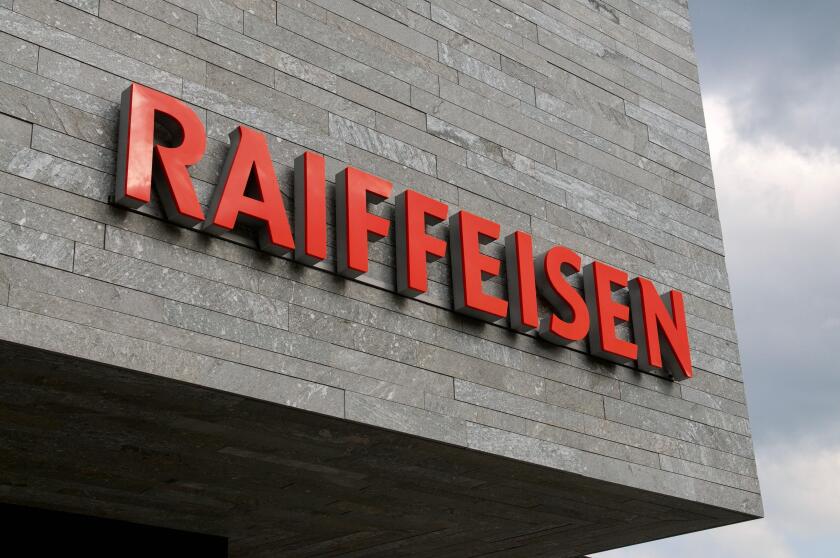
x,y
578,121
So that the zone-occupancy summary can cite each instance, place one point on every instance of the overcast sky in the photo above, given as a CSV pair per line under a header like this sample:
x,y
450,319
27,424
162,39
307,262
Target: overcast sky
x,y
770,75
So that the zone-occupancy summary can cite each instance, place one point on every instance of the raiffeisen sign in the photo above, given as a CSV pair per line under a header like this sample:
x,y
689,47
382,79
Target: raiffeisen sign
x,y
658,322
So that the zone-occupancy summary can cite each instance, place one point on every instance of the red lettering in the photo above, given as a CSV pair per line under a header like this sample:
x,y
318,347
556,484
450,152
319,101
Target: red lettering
x,y
248,190
660,329
600,280
415,247
522,289
139,157
354,225
248,167
310,208
569,320
469,266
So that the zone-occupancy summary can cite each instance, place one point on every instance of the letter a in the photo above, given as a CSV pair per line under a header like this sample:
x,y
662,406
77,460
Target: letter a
x,y
249,164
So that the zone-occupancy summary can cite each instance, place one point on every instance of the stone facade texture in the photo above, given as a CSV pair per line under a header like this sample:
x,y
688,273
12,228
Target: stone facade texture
x,y
578,121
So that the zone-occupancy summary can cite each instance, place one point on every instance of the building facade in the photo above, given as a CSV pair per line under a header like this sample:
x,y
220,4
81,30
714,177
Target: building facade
x,y
174,375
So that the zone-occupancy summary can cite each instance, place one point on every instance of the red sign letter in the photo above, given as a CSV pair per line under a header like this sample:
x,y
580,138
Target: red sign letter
x,y
248,164
415,248
521,286
467,232
354,226
570,320
660,329
599,280
310,208
139,156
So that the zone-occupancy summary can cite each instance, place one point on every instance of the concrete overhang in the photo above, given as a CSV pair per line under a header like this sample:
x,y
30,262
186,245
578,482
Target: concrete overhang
x,y
84,437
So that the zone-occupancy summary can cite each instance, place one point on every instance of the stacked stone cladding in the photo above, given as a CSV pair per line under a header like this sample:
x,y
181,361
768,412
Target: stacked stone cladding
x,y
578,121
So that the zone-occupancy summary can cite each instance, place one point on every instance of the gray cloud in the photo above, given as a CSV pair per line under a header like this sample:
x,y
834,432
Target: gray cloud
x,y
781,57
785,273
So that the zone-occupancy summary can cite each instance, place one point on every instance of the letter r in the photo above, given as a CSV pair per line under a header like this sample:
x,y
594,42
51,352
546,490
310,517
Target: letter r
x,y
140,158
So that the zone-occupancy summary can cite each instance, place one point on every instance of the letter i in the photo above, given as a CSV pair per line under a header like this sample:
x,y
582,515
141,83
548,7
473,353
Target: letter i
x,y
310,209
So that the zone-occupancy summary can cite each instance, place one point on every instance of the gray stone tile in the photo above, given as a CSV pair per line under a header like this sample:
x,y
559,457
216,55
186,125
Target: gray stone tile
x,y
27,106
386,33
269,386
332,61
356,49
486,74
165,11
511,176
197,47
109,320
714,402
382,145
474,120
89,6
69,286
325,99
682,408
37,217
681,429
710,474
89,32
18,53
186,260
93,344
341,379
570,375
58,173
267,98
462,138
5,289
355,336
402,418
591,444
419,138
476,20
35,246
176,285
678,147
218,11
251,48
16,131
403,175
73,149
265,9
473,413
573,398
381,103
510,207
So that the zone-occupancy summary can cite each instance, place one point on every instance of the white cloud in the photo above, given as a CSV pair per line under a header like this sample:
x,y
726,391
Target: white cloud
x,y
760,178
773,197
801,490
